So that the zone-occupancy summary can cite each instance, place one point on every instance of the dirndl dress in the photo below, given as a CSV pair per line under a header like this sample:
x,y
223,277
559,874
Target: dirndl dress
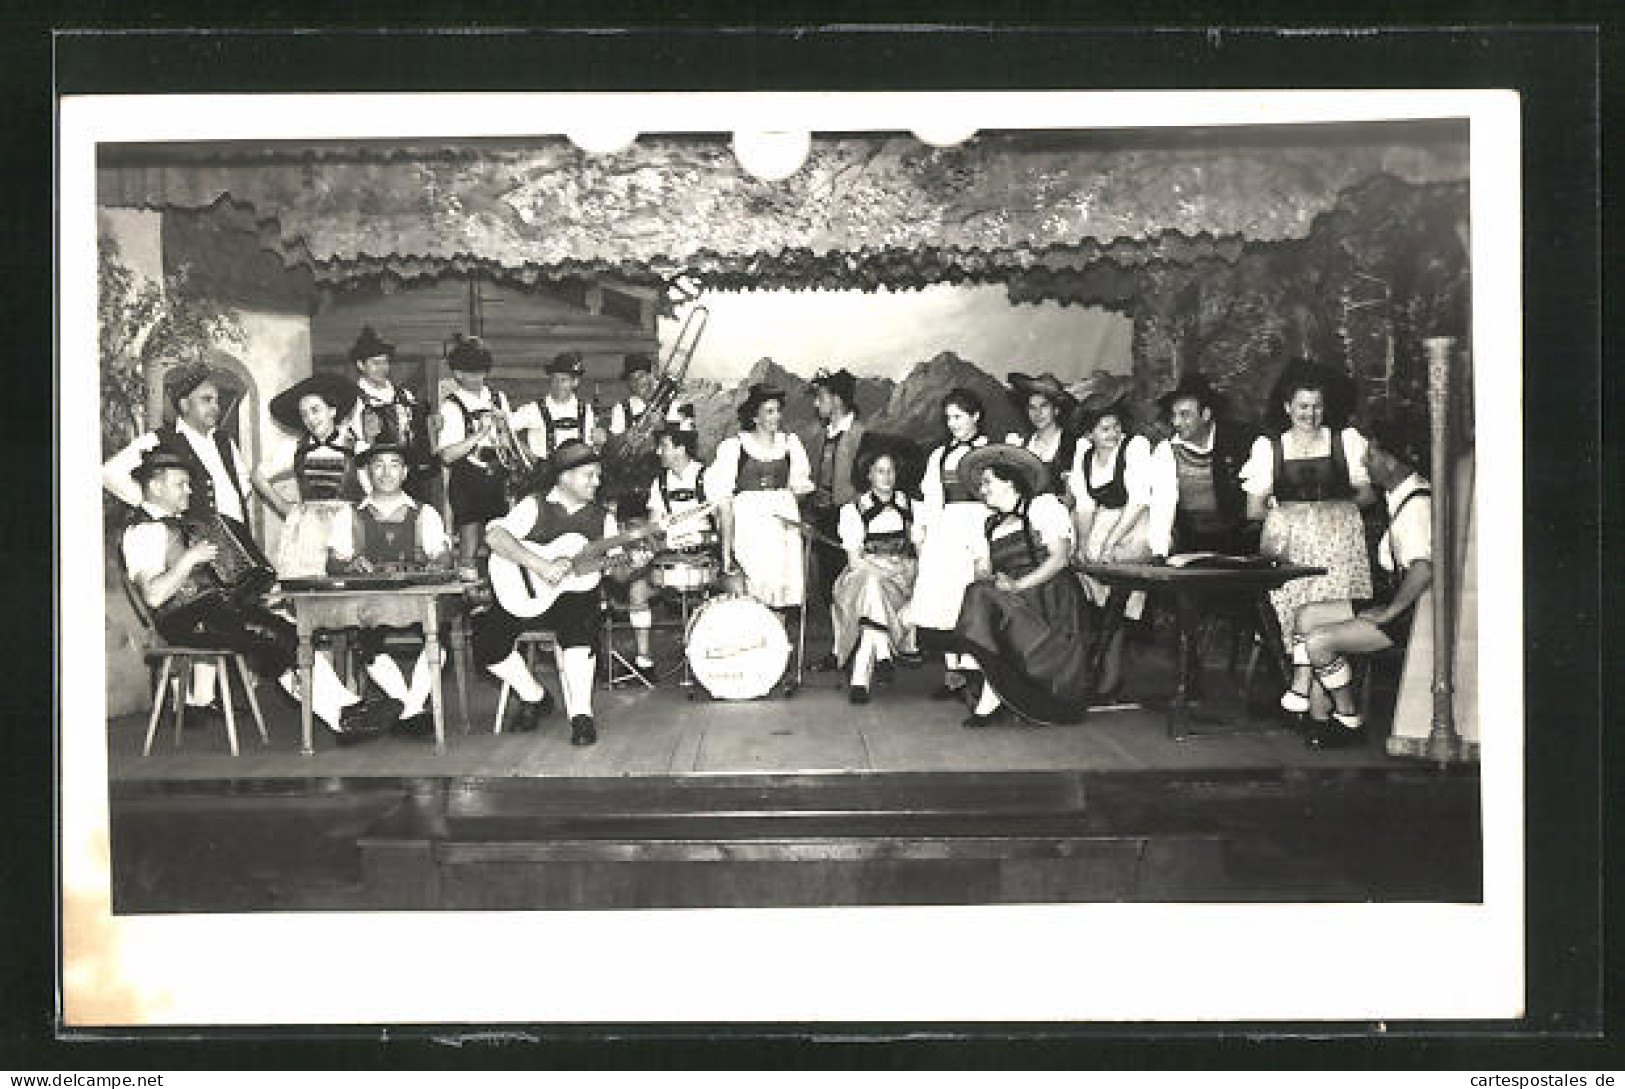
x,y
1314,521
328,483
763,486
1125,484
1029,644
874,593
953,521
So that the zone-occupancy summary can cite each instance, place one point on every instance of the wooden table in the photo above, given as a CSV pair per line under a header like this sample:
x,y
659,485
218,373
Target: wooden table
x,y
1191,588
371,607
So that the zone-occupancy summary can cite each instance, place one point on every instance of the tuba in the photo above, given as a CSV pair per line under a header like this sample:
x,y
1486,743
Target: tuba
x,y
638,438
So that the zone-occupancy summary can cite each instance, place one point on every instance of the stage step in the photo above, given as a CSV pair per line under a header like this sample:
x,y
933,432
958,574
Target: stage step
x,y
774,841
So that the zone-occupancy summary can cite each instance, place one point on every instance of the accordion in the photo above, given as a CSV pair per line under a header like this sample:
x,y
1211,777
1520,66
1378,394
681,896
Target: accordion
x,y
238,571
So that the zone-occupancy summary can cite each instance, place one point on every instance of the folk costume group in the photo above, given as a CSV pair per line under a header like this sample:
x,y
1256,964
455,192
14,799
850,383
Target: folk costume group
x,y
985,565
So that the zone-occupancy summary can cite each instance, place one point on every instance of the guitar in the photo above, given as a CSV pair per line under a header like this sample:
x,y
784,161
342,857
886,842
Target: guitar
x,y
523,593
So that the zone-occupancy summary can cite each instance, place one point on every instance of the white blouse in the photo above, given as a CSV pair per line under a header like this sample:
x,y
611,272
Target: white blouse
x,y
1137,472
1258,475
722,477
852,532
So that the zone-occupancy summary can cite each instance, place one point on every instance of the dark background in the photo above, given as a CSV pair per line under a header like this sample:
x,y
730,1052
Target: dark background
x,y
1568,461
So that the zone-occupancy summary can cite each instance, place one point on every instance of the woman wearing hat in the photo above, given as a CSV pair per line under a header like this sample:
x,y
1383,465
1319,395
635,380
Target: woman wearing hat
x,y
1307,481
1019,621
1111,494
878,533
1048,407
755,478
322,467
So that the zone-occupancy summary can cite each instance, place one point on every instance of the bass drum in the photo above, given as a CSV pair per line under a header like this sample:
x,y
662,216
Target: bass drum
x,y
737,648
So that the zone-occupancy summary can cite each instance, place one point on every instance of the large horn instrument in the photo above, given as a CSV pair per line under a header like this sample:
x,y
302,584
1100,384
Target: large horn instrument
x,y
638,438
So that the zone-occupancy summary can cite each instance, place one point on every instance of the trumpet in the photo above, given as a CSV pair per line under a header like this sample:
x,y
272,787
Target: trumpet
x,y
511,451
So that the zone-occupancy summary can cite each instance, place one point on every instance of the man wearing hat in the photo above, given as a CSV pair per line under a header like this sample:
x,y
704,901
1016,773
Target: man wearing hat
x,y
1197,501
477,483
559,415
637,371
387,413
390,529
218,472
167,568
564,504
834,452
218,469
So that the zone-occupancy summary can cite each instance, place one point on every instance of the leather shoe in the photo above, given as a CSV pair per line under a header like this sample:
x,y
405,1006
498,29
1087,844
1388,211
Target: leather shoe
x,y
995,717
531,714
367,719
583,731
857,693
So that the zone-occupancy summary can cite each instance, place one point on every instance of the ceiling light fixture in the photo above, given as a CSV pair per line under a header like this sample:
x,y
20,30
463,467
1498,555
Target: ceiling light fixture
x,y
772,156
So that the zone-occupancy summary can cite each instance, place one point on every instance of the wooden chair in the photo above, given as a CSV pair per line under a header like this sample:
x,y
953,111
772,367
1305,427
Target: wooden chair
x,y
156,648
528,644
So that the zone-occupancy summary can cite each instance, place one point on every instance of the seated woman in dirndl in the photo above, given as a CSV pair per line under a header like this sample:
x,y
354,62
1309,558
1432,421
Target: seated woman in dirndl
x,y
322,466
1020,620
879,535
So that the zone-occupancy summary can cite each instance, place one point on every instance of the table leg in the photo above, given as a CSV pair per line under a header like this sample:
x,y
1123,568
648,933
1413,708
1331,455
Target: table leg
x,y
1189,622
1111,622
460,651
307,664
432,651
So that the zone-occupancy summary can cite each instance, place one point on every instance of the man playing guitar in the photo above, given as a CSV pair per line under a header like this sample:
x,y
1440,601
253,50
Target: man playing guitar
x,y
565,504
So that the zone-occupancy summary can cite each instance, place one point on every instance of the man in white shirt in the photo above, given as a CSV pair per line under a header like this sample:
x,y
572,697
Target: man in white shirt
x,y
387,413
1320,649
169,571
391,530
560,415
1197,502
219,475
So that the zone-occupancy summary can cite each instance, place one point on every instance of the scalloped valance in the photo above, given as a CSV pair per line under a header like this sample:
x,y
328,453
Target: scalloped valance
x,y
863,211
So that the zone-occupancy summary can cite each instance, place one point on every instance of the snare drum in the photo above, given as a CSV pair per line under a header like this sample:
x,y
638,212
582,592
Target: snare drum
x,y
685,571
736,648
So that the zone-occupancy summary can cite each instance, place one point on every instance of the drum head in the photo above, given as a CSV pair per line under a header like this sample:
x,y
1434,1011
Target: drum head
x,y
737,648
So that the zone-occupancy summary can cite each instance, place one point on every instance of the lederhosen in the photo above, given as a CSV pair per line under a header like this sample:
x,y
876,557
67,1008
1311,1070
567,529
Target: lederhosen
x,y
562,428
477,489
1398,630
696,496
325,469
573,618
386,544
245,626
628,477
203,500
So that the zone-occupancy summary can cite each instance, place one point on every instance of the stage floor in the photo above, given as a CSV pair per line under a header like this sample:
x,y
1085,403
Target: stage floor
x,y
662,733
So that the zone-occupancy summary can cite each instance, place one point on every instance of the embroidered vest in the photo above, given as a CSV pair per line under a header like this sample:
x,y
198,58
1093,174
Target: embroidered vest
x,y
955,490
756,475
325,469
1014,554
887,542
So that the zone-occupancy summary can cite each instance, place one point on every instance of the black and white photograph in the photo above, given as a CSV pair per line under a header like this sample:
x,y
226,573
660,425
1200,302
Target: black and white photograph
x,y
599,538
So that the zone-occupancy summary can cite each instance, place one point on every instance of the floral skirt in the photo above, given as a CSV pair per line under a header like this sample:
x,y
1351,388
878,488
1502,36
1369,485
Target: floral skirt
x,y
1324,534
1030,646
873,594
